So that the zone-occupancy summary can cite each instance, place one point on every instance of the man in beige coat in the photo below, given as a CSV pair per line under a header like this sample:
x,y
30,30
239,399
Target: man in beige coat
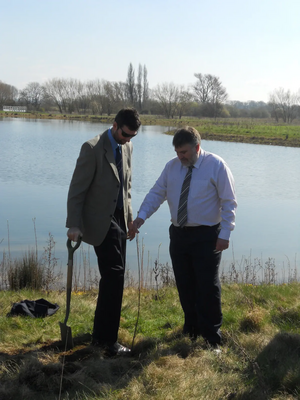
x,y
99,210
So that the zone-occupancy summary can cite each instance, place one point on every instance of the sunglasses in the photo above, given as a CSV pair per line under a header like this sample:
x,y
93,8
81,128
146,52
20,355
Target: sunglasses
x,y
127,135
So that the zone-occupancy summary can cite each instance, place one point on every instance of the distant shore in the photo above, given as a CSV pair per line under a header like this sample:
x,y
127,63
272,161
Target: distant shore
x,y
255,131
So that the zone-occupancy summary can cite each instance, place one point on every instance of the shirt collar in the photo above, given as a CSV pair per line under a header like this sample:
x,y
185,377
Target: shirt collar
x,y
200,159
114,144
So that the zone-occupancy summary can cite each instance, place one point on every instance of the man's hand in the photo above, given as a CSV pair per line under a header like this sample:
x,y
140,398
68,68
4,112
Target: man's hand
x,y
138,222
131,231
222,244
74,233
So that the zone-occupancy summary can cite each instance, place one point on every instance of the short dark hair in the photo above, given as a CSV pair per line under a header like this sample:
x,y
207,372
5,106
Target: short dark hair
x,y
186,135
129,117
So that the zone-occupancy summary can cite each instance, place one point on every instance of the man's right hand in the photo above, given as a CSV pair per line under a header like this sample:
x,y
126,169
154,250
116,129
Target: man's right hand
x,y
74,233
137,223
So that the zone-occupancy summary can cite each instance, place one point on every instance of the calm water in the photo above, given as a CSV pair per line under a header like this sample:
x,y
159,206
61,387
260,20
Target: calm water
x,y
37,159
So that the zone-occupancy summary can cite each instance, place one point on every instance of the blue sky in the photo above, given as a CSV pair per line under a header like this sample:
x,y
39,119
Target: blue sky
x,y
252,46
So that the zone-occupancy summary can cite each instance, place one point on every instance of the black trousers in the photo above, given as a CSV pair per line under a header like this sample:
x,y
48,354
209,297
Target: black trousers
x,y
196,269
111,256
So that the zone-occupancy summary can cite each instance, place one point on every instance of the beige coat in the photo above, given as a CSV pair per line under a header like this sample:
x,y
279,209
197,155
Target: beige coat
x,y
94,188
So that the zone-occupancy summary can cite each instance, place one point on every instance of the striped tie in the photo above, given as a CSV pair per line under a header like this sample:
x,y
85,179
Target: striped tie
x,y
120,170
182,208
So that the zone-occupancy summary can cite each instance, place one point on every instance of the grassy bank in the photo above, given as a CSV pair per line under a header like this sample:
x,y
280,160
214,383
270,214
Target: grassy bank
x,y
260,358
257,131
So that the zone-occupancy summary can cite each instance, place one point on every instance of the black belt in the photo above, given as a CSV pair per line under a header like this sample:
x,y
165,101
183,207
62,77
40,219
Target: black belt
x,y
187,228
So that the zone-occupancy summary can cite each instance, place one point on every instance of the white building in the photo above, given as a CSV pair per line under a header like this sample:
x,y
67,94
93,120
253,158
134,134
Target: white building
x,y
15,108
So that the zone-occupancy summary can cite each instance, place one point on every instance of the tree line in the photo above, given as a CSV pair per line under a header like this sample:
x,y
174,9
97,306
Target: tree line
x,y
206,97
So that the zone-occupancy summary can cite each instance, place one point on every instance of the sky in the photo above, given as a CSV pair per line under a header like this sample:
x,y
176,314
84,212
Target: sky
x,y
252,46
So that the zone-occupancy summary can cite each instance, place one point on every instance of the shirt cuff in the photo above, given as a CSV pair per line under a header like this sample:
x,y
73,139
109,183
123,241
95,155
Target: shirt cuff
x,y
224,234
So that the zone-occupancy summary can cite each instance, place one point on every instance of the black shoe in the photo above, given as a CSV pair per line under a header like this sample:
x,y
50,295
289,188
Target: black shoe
x,y
111,350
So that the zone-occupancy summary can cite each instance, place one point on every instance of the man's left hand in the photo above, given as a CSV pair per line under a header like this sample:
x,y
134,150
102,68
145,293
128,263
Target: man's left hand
x,y
222,244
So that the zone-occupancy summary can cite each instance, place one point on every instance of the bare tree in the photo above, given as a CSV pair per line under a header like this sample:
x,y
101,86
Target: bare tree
x,y
184,101
284,104
208,90
110,99
95,91
167,95
120,94
55,91
32,95
69,95
80,95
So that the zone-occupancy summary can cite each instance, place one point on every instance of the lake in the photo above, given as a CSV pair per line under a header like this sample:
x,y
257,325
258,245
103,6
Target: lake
x,y
38,158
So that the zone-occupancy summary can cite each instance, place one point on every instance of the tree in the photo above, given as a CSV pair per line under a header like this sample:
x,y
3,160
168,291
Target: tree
x,y
8,94
80,95
96,96
208,90
284,104
131,89
68,95
248,109
145,88
32,95
109,97
55,91
184,101
167,95
120,94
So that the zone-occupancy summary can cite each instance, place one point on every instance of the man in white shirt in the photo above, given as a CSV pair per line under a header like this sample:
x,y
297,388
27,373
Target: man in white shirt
x,y
199,189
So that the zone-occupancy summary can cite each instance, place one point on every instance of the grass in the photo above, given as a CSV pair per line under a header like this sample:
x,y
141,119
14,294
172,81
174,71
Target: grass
x,y
246,130
260,358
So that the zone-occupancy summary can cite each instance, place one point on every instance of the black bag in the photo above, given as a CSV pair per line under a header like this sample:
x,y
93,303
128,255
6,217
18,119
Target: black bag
x,y
33,308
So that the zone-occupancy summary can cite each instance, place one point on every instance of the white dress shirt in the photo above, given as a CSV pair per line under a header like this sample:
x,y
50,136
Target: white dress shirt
x,y
211,196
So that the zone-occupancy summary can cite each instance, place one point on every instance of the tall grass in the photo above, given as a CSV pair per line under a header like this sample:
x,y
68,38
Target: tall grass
x,y
25,273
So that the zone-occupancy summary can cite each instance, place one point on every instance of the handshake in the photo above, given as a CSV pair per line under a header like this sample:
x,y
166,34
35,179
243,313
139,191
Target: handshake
x,y
133,229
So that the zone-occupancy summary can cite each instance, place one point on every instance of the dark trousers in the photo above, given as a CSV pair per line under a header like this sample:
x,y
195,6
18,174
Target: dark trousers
x,y
111,261
196,269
